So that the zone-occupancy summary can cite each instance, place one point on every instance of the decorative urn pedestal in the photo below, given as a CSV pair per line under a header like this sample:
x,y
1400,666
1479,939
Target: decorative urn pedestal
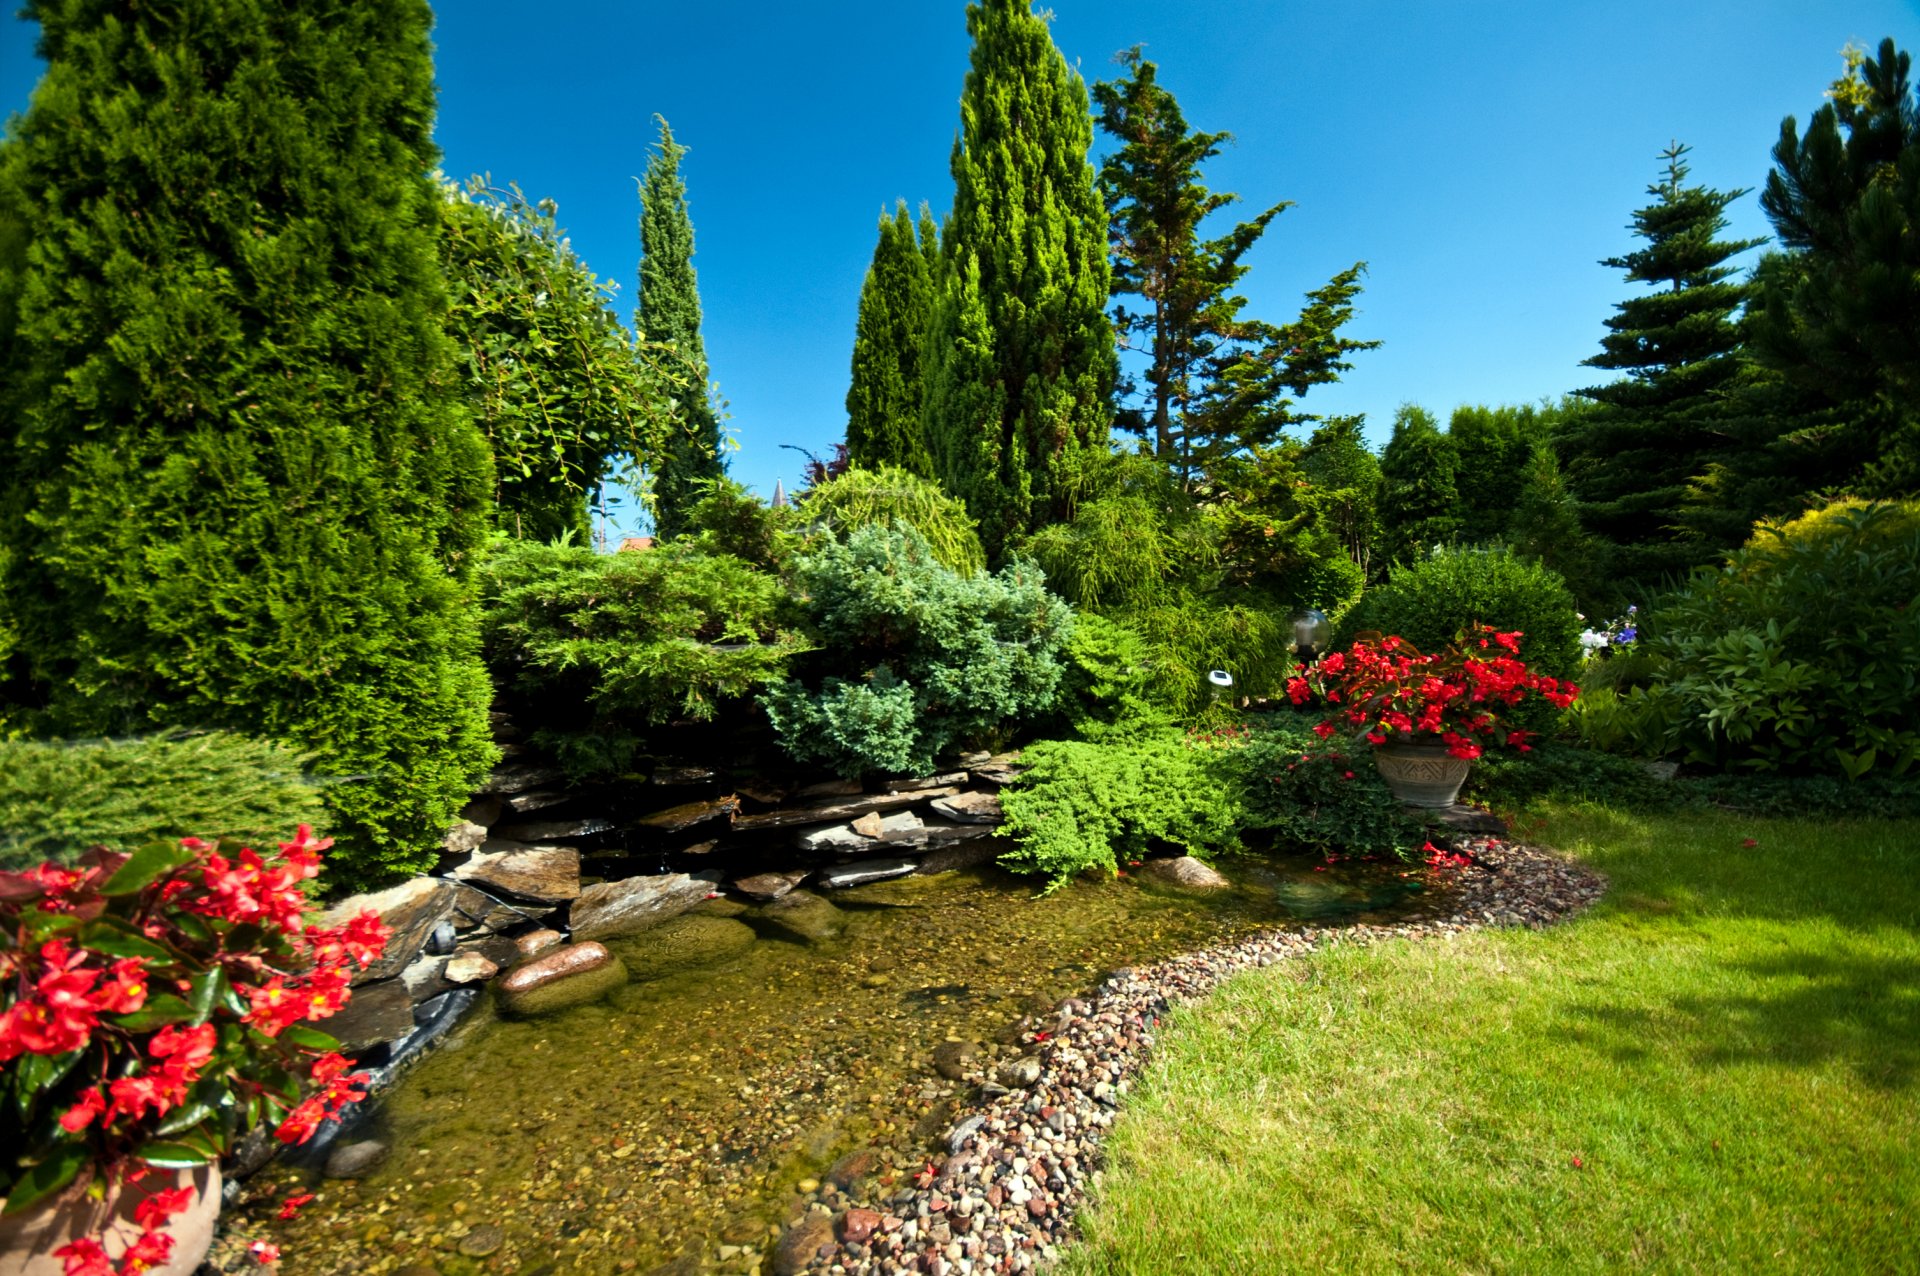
x,y
28,1241
1423,775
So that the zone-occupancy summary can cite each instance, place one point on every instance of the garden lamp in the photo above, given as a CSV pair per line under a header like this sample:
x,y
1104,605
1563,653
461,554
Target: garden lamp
x,y
1311,633
1221,681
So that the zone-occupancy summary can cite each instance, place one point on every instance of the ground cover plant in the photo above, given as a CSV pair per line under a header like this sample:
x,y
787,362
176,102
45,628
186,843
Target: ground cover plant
x,y
1633,1089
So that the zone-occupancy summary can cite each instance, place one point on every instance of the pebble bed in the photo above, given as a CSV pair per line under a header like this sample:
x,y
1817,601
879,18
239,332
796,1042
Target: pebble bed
x,y
1021,1163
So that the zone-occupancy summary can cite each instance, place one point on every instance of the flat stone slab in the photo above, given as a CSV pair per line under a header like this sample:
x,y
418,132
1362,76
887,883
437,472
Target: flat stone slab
x,y
635,903
410,910
463,837
1468,819
971,808
862,871
839,837
377,1012
834,812
946,781
545,874
687,815
766,887
552,830
520,778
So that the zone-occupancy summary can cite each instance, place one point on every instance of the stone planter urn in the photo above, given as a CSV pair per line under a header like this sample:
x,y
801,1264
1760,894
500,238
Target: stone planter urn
x,y
27,1242
1422,775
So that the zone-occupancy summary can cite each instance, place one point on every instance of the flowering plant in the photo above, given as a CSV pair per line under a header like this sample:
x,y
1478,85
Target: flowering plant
x,y
1384,687
1618,632
151,1010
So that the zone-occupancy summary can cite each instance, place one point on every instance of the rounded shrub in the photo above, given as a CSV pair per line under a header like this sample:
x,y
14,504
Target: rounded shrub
x,y
1430,600
900,499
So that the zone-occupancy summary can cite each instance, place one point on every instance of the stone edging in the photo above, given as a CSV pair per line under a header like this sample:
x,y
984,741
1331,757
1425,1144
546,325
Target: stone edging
x,y
1023,1161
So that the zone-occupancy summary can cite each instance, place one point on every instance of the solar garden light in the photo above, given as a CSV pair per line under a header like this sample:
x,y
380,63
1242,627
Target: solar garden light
x,y
1312,633
1221,681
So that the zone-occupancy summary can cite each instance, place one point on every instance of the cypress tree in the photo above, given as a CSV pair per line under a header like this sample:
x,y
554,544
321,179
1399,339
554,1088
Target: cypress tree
x,y
1021,355
1419,496
239,488
1665,423
884,401
670,314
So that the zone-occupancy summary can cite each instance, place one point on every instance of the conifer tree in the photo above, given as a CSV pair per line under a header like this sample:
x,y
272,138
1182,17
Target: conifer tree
x,y
1419,498
238,485
1216,381
669,313
888,389
1664,424
1021,363
1346,487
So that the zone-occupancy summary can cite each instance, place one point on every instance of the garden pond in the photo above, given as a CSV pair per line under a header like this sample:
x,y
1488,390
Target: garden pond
x,y
776,1054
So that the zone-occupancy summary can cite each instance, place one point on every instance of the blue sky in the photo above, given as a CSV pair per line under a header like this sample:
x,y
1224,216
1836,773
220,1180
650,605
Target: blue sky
x,y
1480,157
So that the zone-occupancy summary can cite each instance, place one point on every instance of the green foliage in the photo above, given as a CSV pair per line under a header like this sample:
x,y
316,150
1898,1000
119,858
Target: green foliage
x,y
893,497
59,797
914,658
1113,681
1020,354
1509,780
1491,447
1546,527
1429,601
557,384
669,314
1419,497
727,519
1802,653
240,486
888,392
1347,489
1084,805
1309,797
591,649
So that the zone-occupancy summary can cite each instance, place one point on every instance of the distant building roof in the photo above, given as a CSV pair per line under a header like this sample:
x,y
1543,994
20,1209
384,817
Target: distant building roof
x,y
779,495
636,543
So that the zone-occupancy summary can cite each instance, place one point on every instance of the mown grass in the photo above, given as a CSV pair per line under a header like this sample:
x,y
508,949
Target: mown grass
x,y
1717,1069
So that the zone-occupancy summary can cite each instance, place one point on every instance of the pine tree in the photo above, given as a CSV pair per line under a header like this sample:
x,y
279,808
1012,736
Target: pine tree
x,y
670,314
238,486
1665,423
1837,311
1216,382
884,402
1021,363
1419,498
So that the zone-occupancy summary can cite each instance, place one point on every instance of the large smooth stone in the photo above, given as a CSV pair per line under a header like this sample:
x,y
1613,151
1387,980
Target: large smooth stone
x,y
548,874
803,916
563,977
410,910
684,943
970,808
1184,873
766,887
839,837
463,837
631,905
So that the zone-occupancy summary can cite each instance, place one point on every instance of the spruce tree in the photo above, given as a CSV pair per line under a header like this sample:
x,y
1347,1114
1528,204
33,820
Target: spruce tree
x,y
1216,381
1021,362
1419,497
1664,423
888,389
238,485
670,314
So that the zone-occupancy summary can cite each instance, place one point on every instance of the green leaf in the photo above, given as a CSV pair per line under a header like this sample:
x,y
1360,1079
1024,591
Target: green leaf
x,y
206,993
46,1178
184,1118
117,938
158,1012
308,1038
146,866
172,1156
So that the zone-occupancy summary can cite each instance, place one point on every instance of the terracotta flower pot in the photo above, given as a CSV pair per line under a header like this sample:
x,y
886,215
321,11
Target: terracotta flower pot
x,y
1423,775
27,1242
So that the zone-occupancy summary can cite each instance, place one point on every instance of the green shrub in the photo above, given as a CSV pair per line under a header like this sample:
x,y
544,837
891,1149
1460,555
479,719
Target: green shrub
x,y
728,519
59,797
914,658
899,499
593,648
1085,805
1801,653
1312,797
1112,681
1428,601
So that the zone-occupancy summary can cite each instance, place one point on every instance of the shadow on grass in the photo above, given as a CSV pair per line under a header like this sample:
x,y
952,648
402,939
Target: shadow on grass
x,y
1807,1010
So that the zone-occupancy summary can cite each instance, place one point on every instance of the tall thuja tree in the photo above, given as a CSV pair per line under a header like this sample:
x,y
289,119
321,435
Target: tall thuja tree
x,y
1020,355
1666,421
239,485
1837,311
889,344
1491,447
1215,382
1419,492
669,314
1346,487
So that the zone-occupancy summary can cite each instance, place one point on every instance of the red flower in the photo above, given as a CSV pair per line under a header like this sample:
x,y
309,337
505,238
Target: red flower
x,y
1748,842
265,1252
158,1207
290,1208
80,1115
151,1250
84,1257
125,989
300,1123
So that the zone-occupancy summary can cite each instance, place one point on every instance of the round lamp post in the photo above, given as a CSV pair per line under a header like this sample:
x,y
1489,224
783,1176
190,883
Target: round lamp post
x,y
1312,633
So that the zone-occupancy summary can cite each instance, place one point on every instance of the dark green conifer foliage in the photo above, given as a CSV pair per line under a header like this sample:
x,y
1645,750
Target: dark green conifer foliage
x,y
1419,497
1021,363
1216,382
1664,423
888,390
1346,487
239,487
1491,446
1837,312
670,313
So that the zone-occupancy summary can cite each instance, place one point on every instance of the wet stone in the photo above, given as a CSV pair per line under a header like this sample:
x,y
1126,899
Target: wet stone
x,y
354,1160
482,1239
1184,872
564,977
684,943
802,916
631,905
767,887
545,874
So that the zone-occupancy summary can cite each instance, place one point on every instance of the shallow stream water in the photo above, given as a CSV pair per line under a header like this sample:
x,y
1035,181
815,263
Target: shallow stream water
x,y
677,1124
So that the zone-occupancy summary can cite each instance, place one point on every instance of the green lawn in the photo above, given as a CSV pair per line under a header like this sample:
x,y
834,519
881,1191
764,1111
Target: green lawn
x,y
1718,1069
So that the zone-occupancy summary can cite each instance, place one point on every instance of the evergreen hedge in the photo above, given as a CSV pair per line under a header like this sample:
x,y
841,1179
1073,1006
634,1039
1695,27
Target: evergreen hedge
x,y
239,487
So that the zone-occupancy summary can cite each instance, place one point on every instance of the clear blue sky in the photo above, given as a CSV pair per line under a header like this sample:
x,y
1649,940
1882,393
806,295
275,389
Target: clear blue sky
x,y
1481,157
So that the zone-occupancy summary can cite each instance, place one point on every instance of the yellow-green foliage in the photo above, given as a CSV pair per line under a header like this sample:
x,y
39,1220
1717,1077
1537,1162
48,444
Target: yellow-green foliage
x,y
892,497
